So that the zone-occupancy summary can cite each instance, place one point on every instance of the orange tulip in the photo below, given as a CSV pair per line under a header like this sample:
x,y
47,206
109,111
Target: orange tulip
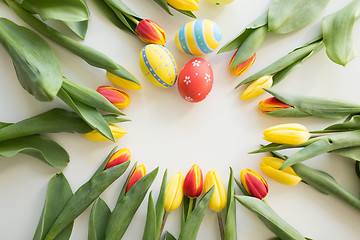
x,y
118,158
254,183
150,32
138,173
272,104
193,183
242,67
119,98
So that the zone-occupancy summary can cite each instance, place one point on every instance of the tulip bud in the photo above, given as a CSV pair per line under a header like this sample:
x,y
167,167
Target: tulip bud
x,y
254,183
256,87
272,104
288,134
193,182
119,98
150,32
138,173
242,67
117,132
174,192
270,167
219,198
121,82
118,158
187,5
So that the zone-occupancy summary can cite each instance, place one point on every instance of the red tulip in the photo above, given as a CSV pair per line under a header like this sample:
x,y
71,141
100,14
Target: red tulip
x,y
150,32
193,183
118,158
138,173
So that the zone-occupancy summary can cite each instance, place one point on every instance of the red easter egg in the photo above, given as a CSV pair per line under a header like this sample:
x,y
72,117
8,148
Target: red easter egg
x,y
195,80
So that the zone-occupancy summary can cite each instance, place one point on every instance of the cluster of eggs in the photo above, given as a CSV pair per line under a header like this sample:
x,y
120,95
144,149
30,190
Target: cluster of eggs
x,y
195,80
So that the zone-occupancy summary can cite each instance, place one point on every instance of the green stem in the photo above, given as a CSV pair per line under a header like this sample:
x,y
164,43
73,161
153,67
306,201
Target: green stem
x,y
221,225
166,214
134,20
191,203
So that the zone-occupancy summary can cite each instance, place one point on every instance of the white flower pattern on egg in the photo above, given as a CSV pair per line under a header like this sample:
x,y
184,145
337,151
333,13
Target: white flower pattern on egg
x,y
189,99
207,78
187,80
196,63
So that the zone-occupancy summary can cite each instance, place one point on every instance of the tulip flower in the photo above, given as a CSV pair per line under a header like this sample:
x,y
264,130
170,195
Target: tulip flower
x,y
272,104
150,32
122,82
187,5
243,67
256,87
193,182
288,134
119,98
270,167
174,192
254,183
119,157
219,197
138,173
117,131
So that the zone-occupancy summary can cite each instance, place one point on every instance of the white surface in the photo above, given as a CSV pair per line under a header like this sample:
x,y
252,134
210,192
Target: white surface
x,y
168,132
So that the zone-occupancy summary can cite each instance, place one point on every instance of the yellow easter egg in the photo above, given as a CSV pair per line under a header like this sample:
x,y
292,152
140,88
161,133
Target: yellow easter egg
x,y
158,65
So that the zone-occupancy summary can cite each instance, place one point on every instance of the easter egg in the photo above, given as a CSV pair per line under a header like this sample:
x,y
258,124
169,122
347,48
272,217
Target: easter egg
x,y
158,65
220,2
198,37
195,80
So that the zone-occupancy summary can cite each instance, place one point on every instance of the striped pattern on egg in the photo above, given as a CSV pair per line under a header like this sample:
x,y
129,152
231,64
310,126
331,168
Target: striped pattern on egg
x,y
198,37
158,65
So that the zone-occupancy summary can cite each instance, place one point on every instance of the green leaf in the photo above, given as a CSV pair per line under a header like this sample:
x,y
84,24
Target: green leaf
x,y
270,218
169,236
84,196
79,28
99,218
230,223
90,55
337,29
288,112
127,206
350,152
64,10
316,106
37,146
150,226
35,63
191,227
351,124
277,238
286,16
291,60
186,13
89,96
241,187
89,114
160,205
326,184
164,5
357,168
324,145
58,193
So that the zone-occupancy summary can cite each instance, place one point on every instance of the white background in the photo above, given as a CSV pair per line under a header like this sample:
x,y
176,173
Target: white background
x,y
169,132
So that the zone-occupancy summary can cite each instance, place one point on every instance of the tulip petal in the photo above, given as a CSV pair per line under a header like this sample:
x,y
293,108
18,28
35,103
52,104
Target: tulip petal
x,y
256,88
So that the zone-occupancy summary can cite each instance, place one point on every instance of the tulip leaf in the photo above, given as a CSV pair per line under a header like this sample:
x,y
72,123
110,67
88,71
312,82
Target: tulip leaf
x,y
84,196
270,218
79,28
190,228
277,238
150,226
288,112
160,205
127,206
350,152
186,13
90,55
58,193
64,10
89,114
316,106
326,184
35,63
351,124
286,16
89,96
357,169
241,187
337,30
169,236
164,5
276,146
230,223
288,62
36,146
323,145
99,218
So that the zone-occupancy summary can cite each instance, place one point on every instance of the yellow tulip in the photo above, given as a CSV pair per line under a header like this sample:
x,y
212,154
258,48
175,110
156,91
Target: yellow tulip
x,y
270,167
256,87
187,5
174,192
288,134
117,132
122,82
219,198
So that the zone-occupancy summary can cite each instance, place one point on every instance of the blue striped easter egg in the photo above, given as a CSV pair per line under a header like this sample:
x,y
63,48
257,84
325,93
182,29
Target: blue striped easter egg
x,y
198,37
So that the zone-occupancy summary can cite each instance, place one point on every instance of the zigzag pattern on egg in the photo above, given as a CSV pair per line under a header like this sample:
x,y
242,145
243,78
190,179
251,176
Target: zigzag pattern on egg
x,y
198,37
